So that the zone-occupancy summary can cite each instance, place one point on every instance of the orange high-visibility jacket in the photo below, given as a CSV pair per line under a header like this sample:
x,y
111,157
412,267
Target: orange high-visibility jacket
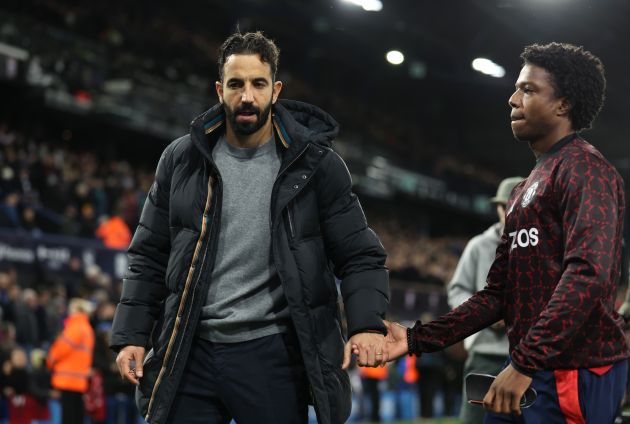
x,y
114,233
377,373
70,356
411,374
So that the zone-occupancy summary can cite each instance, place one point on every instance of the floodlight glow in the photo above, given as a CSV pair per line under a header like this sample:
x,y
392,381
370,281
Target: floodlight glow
x,y
367,5
488,67
395,57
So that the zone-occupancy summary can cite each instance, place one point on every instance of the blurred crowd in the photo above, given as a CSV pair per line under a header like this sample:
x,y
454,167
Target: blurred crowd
x,y
115,59
48,188
34,324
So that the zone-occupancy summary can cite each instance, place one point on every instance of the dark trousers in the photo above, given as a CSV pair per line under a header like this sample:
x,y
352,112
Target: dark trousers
x,y
258,381
370,388
72,407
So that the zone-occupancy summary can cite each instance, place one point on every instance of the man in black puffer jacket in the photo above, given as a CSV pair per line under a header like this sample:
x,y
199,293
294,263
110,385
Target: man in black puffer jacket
x,y
232,269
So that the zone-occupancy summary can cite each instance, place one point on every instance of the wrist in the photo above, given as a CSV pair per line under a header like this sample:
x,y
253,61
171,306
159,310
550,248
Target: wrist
x,y
411,341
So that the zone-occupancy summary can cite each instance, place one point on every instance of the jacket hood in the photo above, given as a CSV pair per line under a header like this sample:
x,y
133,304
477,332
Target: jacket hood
x,y
493,233
293,121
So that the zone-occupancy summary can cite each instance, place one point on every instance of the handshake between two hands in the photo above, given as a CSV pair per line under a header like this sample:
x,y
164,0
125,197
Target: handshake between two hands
x,y
374,349
504,395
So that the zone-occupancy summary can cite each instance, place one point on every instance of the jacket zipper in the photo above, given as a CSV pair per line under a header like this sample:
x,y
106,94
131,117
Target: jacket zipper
x,y
273,195
194,289
182,302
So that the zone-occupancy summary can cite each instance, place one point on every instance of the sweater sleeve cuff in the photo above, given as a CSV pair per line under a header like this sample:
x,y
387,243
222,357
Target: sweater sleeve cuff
x,y
413,347
521,369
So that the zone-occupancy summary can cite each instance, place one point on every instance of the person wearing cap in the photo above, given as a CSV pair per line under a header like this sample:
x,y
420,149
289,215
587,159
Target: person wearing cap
x,y
487,349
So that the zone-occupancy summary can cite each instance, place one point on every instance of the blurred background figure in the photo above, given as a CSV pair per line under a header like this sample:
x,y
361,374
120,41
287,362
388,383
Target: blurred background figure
x,y
488,349
27,398
374,380
70,360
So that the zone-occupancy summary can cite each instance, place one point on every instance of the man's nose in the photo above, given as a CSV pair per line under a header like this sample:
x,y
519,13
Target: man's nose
x,y
248,95
513,100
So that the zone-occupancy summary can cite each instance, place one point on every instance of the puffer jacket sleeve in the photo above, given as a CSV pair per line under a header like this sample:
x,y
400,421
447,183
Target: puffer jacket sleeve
x,y
144,285
355,250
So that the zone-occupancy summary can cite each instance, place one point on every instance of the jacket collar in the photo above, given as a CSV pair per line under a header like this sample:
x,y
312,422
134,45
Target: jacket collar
x,y
295,124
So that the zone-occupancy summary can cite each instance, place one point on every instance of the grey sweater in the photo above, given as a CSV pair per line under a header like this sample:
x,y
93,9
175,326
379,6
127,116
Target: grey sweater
x,y
470,277
245,300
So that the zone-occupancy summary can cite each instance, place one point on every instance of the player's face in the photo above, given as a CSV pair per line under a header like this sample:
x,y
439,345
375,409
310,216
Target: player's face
x,y
535,108
247,92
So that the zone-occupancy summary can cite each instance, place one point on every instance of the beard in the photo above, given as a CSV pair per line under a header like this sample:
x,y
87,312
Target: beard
x,y
247,128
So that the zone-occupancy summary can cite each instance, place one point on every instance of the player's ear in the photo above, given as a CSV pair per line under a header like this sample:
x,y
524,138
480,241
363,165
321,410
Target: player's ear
x,y
564,107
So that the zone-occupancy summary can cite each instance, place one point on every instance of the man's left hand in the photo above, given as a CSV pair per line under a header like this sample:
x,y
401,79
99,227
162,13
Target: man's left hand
x,y
370,348
504,395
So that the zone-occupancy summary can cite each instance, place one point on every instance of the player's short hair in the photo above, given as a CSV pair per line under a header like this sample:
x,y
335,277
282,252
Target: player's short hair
x,y
577,75
250,43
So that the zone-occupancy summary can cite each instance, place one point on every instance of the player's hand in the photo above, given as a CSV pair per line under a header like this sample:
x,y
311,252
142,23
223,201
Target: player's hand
x,y
498,326
370,349
396,340
129,361
505,393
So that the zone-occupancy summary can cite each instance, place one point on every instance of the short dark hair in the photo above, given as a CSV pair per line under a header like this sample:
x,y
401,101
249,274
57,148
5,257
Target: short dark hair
x,y
577,75
250,43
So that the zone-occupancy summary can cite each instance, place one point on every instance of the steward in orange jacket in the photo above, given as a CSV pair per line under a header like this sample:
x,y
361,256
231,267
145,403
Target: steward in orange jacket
x,y
114,233
70,356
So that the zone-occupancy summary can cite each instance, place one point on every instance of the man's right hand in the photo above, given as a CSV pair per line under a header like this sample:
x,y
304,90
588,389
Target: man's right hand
x,y
396,339
129,361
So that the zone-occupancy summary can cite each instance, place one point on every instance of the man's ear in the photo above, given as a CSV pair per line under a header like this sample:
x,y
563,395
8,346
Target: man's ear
x,y
564,107
219,88
277,88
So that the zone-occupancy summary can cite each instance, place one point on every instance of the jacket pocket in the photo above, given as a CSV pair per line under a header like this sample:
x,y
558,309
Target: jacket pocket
x,y
330,348
317,280
151,369
337,387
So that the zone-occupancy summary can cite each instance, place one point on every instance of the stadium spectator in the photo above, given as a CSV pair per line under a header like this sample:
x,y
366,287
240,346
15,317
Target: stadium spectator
x,y
114,232
70,360
371,379
487,349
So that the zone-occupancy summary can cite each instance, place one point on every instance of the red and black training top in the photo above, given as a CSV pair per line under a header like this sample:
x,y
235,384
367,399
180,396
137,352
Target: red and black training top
x,y
556,270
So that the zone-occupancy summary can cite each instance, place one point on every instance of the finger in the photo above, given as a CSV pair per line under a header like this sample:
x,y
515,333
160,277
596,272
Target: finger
x,y
347,353
380,356
355,349
139,361
363,356
131,376
488,399
384,358
123,364
516,405
127,372
371,356
506,403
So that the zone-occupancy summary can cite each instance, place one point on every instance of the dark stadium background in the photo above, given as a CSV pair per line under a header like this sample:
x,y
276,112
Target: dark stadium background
x,y
426,141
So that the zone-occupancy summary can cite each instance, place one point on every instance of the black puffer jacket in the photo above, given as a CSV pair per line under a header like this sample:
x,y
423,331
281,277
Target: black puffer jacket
x,y
318,230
